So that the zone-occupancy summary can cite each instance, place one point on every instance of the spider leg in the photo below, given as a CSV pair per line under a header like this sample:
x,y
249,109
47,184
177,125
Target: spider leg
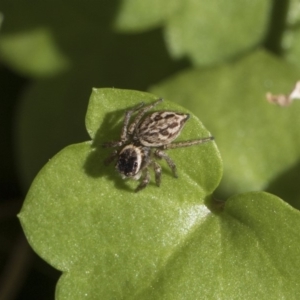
x,y
188,143
111,158
124,135
171,164
157,171
145,180
141,114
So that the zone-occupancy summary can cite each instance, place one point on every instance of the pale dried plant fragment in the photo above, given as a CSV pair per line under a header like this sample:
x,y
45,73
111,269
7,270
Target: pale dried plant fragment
x,y
285,100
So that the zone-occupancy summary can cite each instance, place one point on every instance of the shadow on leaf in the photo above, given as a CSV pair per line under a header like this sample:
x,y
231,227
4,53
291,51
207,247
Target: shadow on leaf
x,y
94,165
286,186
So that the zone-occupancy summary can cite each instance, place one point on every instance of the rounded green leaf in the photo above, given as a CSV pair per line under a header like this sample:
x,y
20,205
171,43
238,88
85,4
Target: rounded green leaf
x,y
250,251
160,243
82,218
211,31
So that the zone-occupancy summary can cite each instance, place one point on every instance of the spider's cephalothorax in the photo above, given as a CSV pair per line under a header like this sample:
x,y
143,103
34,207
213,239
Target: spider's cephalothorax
x,y
157,130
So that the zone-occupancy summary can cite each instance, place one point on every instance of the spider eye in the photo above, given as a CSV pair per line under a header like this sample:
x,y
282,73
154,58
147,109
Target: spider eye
x,y
128,162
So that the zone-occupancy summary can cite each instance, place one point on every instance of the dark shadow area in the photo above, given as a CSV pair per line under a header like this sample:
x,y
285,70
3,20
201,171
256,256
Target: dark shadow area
x,y
95,165
287,186
11,86
278,16
139,60
214,204
40,282
23,275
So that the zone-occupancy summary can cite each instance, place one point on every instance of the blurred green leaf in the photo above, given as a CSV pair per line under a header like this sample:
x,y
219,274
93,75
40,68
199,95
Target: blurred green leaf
x,y
292,44
291,37
33,52
206,31
259,142
212,31
139,15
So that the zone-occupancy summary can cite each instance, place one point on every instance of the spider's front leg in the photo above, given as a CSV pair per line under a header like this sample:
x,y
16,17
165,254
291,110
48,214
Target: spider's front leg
x,y
170,162
124,134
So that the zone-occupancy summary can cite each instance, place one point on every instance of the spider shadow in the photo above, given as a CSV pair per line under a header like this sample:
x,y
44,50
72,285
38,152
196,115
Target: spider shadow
x,y
94,165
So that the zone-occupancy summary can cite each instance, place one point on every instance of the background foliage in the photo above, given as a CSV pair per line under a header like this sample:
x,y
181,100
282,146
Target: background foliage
x,y
217,60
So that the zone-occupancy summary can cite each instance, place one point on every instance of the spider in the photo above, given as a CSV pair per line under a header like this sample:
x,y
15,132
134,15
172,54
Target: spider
x,y
144,140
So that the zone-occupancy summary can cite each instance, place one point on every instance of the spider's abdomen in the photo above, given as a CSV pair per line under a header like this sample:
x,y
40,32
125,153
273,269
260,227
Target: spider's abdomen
x,y
160,128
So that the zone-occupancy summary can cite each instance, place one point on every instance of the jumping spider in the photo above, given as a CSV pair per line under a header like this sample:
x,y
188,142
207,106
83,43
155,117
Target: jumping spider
x,y
157,130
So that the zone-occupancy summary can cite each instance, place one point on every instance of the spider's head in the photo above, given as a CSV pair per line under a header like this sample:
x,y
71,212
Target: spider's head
x,y
130,161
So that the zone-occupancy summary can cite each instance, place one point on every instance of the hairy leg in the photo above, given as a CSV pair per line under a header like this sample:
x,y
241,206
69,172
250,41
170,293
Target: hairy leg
x,y
188,143
124,134
157,172
171,164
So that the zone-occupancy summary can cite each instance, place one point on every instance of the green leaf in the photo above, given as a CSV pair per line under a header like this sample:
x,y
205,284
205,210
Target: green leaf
x,y
83,219
161,243
212,31
250,251
33,53
139,15
205,31
259,142
290,41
